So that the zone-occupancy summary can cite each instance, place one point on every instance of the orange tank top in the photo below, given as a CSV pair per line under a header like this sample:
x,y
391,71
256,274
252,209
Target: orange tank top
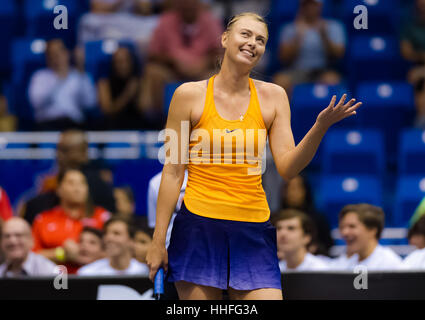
x,y
225,161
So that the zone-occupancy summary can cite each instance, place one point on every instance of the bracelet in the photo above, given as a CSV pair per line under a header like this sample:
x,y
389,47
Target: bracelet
x,y
60,254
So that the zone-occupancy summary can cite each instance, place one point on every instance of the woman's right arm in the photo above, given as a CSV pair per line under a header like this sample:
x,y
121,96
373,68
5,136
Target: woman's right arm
x,y
172,174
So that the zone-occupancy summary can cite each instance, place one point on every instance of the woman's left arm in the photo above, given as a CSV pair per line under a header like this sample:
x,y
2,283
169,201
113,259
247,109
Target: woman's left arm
x,y
290,160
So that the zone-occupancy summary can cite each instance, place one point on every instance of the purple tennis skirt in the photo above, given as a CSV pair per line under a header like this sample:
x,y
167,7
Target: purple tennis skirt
x,y
223,253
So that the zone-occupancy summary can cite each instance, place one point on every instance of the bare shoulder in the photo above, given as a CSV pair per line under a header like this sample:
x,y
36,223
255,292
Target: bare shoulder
x,y
191,90
270,91
271,97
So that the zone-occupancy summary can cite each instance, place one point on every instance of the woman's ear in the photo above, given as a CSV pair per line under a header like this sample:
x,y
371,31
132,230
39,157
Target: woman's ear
x,y
224,37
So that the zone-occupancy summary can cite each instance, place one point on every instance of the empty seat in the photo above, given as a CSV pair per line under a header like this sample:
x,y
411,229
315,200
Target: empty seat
x,y
336,191
412,152
374,58
40,18
382,15
389,107
8,23
168,94
410,191
353,151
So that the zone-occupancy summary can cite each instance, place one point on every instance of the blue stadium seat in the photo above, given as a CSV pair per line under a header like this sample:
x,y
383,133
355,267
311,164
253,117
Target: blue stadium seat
x,y
353,152
39,15
389,107
168,94
98,56
374,58
137,174
308,100
336,191
382,15
27,56
24,171
410,191
412,152
8,21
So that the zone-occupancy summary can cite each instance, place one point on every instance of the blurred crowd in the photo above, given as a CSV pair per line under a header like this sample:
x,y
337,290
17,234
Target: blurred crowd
x,y
78,219
163,41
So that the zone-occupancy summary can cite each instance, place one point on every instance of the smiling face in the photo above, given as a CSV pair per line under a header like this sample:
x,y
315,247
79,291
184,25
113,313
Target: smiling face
x,y
245,40
16,240
117,239
91,248
291,236
356,235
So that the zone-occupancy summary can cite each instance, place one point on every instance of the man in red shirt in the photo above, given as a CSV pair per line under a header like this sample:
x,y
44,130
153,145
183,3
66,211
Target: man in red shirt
x,y
57,231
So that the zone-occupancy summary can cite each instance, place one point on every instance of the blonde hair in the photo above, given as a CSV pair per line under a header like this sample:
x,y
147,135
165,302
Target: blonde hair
x,y
253,15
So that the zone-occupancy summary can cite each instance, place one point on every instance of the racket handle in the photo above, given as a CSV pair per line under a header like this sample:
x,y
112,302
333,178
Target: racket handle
x,y
159,284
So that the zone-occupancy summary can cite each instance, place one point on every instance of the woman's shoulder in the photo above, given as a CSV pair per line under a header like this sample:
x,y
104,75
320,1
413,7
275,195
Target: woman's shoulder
x,y
192,88
268,89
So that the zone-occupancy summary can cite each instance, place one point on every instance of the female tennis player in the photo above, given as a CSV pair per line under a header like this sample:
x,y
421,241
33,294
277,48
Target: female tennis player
x,y
222,237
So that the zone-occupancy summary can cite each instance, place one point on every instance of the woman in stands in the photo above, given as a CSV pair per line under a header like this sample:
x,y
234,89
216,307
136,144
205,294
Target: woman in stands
x,y
222,237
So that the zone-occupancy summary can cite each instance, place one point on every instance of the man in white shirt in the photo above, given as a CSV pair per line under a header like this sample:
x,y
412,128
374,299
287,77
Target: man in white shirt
x,y
118,239
295,232
360,226
153,191
16,244
59,94
414,261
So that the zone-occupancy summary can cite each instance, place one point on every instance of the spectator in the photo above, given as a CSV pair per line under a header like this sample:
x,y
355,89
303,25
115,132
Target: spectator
x,y
130,20
91,246
124,200
413,50
295,233
119,245
57,231
126,205
142,241
414,261
416,234
153,190
16,244
309,47
60,94
72,152
7,121
297,194
119,94
360,226
184,46
5,207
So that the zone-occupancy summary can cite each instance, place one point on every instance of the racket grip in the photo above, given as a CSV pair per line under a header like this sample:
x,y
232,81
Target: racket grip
x,y
159,284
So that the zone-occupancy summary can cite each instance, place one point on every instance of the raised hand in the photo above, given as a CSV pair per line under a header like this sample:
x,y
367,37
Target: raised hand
x,y
334,113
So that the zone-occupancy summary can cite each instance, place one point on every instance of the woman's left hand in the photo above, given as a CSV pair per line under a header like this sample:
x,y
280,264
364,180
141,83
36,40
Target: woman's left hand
x,y
334,113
